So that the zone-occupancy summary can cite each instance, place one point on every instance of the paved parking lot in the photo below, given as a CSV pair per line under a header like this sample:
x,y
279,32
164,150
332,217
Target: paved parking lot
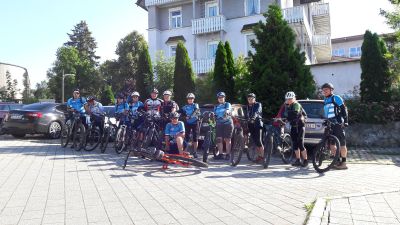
x,y
41,183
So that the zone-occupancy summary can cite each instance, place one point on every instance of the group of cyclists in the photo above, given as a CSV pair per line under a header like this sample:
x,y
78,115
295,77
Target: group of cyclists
x,y
178,133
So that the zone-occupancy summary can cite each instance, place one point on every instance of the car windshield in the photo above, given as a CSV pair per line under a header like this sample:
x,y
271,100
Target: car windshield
x,y
16,106
36,106
313,109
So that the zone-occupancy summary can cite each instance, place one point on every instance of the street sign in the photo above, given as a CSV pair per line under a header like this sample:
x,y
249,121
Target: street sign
x,y
308,1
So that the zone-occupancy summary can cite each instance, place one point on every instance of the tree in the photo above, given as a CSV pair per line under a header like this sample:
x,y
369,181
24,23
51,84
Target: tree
x,y
220,69
205,90
277,65
375,76
144,73
26,94
42,91
164,72
242,79
107,96
9,87
183,74
81,38
230,82
109,71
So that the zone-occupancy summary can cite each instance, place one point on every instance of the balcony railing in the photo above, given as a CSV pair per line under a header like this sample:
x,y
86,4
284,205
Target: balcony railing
x,y
208,25
158,2
297,15
323,39
203,65
320,9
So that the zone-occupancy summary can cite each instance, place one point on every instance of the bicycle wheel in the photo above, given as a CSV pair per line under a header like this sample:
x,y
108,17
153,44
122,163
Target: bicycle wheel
x,y
79,136
251,151
206,146
93,138
119,141
105,139
324,158
65,135
189,161
286,152
268,145
237,147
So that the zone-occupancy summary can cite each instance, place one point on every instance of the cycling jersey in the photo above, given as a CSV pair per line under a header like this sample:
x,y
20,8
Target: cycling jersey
x,y
189,110
174,129
331,105
135,106
294,114
254,112
153,105
77,104
166,107
220,112
96,109
120,108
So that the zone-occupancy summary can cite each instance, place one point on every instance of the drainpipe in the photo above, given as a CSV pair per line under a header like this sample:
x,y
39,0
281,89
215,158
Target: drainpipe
x,y
194,35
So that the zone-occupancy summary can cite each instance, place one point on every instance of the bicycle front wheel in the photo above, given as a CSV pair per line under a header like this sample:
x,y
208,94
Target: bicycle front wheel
x,y
286,150
326,154
65,136
92,139
79,136
189,161
119,141
268,145
105,139
237,147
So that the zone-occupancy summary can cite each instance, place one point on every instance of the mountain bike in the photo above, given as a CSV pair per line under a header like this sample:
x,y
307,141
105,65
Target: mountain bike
x,y
282,142
326,154
109,131
208,125
93,135
121,137
75,130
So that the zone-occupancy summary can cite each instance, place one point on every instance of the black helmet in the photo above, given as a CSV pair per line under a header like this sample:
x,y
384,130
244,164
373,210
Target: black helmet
x,y
252,95
327,85
120,95
90,98
154,90
174,115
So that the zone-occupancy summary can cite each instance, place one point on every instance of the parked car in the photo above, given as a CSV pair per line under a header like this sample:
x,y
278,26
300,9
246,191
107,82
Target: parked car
x,y
36,118
5,107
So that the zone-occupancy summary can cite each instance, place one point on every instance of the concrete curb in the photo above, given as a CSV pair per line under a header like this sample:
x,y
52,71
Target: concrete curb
x,y
317,214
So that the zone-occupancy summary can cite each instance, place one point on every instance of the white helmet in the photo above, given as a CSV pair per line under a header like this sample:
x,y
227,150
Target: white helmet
x,y
290,95
135,93
190,95
167,93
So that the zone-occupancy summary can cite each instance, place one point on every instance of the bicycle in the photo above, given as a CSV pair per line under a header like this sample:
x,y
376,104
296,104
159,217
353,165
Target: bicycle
x,y
282,142
109,131
208,125
242,142
120,138
93,135
73,124
324,158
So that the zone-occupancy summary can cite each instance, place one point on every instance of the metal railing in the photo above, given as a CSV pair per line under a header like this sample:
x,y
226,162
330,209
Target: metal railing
x,y
295,15
320,9
158,2
203,65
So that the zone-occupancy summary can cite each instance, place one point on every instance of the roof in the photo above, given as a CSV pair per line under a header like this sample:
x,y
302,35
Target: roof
x,y
248,27
176,39
349,38
141,4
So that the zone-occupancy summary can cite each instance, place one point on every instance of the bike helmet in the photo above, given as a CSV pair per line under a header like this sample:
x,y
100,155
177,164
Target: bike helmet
x,y
167,93
251,95
221,94
190,95
135,93
290,95
174,115
120,95
76,90
91,98
154,90
327,85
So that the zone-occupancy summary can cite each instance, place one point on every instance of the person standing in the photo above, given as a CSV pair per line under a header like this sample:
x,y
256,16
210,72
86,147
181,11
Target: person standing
x,y
191,112
224,126
254,115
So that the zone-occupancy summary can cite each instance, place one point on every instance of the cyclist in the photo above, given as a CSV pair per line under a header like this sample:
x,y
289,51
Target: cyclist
x,y
336,112
254,115
77,104
153,104
134,106
167,107
294,113
96,111
175,135
224,126
121,111
191,112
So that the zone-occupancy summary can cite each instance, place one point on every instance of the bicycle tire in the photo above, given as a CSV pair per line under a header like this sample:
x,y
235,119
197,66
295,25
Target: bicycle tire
x,y
105,140
251,151
190,161
82,135
237,147
65,136
287,153
93,139
119,141
206,146
269,144
321,153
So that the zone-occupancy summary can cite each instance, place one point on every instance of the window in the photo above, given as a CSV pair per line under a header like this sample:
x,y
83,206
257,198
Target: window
x,y
355,52
175,16
212,9
172,51
252,7
250,37
212,49
338,52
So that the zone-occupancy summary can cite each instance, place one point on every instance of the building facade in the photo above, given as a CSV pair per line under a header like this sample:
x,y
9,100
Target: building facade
x,y
201,24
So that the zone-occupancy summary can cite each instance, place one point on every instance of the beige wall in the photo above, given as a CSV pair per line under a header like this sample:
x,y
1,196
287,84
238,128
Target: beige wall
x,y
346,46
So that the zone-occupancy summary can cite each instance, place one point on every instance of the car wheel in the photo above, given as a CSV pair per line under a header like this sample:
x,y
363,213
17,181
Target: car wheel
x,y
18,135
54,130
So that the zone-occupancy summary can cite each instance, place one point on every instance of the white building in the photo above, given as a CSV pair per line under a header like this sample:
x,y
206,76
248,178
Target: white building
x,y
16,74
201,24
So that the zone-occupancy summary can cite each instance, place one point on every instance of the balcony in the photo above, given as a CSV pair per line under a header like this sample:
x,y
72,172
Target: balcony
x,y
158,2
322,47
208,25
321,18
296,17
203,65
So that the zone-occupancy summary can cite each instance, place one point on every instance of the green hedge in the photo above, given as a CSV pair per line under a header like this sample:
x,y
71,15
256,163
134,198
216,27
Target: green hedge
x,y
375,113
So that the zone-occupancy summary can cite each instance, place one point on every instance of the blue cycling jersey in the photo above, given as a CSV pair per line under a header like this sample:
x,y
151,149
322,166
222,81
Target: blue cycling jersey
x,y
189,109
174,129
97,109
134,107
77,104
120,108
329,107
220,111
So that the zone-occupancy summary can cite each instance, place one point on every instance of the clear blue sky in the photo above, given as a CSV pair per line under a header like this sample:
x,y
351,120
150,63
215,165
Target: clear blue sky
x,y
32,30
